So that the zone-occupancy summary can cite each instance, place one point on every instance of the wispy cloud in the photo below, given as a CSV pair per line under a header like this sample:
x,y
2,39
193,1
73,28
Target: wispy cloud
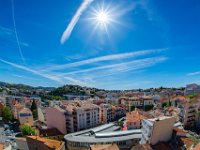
x,y
6,33
193,73
5,30
107,58
50,76
24,77
15,31
71,25
54,78
123,67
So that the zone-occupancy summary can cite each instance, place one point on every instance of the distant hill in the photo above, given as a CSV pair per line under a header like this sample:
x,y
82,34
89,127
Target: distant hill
x,y
23,86
53,93
73,90
60,92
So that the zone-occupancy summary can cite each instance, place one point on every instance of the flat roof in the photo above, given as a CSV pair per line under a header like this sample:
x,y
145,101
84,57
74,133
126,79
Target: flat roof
x,y
114,128
101,135
95,129
93,139
118,133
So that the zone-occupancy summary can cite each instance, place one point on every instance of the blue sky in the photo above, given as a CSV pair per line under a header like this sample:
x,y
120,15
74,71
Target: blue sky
x,y
142,44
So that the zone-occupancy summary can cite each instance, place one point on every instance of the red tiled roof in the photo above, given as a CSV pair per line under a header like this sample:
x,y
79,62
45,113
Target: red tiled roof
x,y
50,143
197,147
134,116
180,130
187,142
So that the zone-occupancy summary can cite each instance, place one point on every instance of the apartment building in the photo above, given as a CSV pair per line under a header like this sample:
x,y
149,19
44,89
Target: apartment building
x,y
55,118
118,112
134,120
188,112
138,101
157,130
81,115
26,101
147,100
192,89
25,116
16,109
105,113
130,102
73,116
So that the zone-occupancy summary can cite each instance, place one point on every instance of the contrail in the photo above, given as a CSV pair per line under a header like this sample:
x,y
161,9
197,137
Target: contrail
x,y
15,31
74,20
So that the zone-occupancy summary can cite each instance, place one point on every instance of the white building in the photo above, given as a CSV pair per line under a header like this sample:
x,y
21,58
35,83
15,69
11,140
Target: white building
x,y
157,130
188,113
41,114
192,89
139,102
80,115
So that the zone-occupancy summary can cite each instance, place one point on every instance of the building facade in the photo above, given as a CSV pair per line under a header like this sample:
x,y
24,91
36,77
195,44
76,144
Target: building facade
x,y
73,116
105,113
134,120
81,115
55,118
157,130
25,116
188,113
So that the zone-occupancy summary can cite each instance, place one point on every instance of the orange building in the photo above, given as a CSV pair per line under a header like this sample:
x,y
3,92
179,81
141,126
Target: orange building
x,y
38,143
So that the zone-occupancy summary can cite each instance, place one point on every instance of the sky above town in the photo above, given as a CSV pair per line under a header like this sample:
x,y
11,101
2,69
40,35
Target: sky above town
x,y
111,44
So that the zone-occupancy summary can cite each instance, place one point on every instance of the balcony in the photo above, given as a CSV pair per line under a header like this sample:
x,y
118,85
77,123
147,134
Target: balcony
x,y
192,111
68,123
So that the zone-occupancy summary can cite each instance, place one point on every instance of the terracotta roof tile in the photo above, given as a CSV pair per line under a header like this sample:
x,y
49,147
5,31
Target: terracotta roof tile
x,y
197,147
50,143
134,116
187,142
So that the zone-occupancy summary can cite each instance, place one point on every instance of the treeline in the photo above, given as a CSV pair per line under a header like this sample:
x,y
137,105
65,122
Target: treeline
x,y
68,89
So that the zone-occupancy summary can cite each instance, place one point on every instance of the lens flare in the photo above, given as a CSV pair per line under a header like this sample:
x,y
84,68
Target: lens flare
x,y
102,17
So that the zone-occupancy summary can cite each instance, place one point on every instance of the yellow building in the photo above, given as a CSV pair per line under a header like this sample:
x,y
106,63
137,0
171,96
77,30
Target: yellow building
x,y
25,116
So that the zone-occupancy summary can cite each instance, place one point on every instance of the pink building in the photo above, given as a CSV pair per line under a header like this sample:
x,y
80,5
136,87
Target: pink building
x,y
55,118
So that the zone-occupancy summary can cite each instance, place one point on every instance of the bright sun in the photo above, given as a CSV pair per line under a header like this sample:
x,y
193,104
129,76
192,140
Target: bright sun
x,y
102,17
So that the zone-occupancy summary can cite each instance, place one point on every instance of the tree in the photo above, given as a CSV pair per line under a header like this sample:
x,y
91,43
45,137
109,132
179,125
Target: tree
x,y
33,106
191,96
120,123
7,114
27,130
148,107
164,104
34,109
132,108
170,103
35,114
